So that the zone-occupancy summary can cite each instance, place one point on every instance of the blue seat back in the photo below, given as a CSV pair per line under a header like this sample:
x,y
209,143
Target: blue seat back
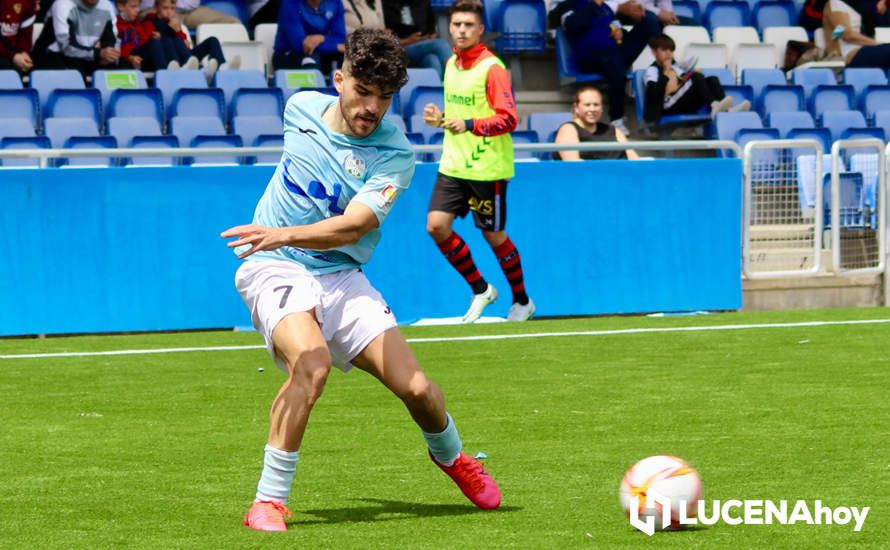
x,y
822,135
217,141
566,65
206,102
830,98
522,24
268,140
807,178
19,104
545,124
250,127
154,142
290,81
867,164
727,125
10,80
187,127
773,13
780,98
124,129
688,8
759,79
257,102
86,142
58,130
230,80
882,120
170,81
862,77
45,81
524,136
417,125
727,13
723,74
136,103
810,78
107,81
421,95
739,93
766,160
75,104
784,121
32,142
851,199
417,77
838,121
875,98
492,14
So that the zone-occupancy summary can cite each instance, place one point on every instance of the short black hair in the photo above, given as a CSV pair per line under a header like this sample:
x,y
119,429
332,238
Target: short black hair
x,y
376,57
470,6
662,42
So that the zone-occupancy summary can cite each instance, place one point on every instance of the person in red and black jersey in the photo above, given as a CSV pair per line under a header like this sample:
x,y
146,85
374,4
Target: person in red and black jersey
x,y
16,25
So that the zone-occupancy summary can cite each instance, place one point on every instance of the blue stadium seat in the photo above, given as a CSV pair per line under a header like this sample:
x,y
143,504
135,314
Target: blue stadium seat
x,y
10,80
19,104
416,138
170,81
187,127
154,142
124,129
234,8
806,179
58,130
773,13
759,79
417,125
727,125
784,121
256,102
739,93
838,121
493,14
16,127
830,98
523,27
863,77
293,80
669,121
851,210
31,142
436,139
810,78
863,133
421,95
250,127
230,80
136,103
875,98
45,81
398,121
84,142
867,165
882,120
780,98
417,77
108,81
546,124
726,13
566,66
525,136
197,102
688,8
75,104
764,161
268,140
822,135
213,142
723,74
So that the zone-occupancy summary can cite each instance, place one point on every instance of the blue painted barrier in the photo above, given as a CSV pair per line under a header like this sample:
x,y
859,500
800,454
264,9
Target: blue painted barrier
x,y
131,249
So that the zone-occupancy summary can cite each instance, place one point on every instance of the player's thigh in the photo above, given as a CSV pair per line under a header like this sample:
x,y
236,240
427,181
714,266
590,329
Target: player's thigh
x,y
389,358
299,344
488,202
450,195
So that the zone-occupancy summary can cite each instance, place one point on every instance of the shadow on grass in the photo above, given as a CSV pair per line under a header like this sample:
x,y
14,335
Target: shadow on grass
x,y
388,510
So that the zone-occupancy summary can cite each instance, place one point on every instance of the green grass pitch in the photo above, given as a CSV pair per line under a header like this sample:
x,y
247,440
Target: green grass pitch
x,y
164,450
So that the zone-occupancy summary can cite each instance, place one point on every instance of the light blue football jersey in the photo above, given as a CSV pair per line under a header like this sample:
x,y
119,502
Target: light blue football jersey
x,y
321,171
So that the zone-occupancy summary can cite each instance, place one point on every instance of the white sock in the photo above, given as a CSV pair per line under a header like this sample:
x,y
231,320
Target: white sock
x,y
278,474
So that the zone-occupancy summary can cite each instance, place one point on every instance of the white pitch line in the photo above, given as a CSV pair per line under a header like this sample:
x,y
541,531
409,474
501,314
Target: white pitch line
x,y
472,338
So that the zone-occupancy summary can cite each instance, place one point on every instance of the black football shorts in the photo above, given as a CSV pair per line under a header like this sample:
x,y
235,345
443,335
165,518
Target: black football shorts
x,y
486,199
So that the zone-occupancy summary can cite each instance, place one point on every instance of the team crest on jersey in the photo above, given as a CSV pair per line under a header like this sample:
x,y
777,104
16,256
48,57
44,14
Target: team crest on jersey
x,y
17,8
355,166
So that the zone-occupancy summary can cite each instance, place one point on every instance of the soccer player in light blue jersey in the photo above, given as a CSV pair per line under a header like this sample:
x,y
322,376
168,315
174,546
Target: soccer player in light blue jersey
x,y
342,170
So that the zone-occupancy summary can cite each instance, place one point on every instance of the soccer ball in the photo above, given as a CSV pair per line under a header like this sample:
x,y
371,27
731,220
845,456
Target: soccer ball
x,y
663,475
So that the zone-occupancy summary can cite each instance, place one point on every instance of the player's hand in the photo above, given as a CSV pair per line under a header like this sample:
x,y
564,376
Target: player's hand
x,y
259,237
23,61
135,61
455,125
432,115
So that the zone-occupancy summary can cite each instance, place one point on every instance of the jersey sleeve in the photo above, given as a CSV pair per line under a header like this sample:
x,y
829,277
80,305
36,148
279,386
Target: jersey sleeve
x,y
389,180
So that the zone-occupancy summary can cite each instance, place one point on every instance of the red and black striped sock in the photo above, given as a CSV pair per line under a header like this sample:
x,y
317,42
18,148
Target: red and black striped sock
x,y
458,255
508,257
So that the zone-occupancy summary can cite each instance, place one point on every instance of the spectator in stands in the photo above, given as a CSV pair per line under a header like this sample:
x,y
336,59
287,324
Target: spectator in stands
x,y
477,161
367,14
311,34
842,26
81,35
140,42
674,90
811,15
178,45
192,13
632,12
414,22
599,45
16,26
585,126
262,11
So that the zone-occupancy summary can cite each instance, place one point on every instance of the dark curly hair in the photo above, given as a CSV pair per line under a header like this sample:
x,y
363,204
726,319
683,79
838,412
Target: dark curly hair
x,y
375,57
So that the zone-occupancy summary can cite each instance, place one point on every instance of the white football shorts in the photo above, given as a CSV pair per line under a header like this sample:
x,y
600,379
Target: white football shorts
x,y
349,310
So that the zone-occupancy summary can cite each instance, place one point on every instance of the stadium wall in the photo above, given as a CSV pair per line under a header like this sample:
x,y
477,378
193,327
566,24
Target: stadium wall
x,y
137,249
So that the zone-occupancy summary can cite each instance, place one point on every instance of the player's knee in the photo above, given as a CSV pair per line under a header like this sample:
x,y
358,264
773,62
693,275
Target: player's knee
x,y
420,390
437,230
310,371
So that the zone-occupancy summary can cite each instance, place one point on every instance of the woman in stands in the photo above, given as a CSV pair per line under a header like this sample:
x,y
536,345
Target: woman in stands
x,y
585,127
842,21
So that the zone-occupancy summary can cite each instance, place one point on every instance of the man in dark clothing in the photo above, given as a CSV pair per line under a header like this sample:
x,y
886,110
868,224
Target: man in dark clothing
x,y
16,25
415,24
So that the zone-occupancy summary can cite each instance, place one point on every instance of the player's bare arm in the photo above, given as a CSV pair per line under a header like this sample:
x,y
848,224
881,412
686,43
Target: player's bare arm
x,y
329,233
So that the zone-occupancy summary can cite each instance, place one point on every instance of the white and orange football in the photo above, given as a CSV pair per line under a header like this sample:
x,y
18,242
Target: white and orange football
x,y
663,475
